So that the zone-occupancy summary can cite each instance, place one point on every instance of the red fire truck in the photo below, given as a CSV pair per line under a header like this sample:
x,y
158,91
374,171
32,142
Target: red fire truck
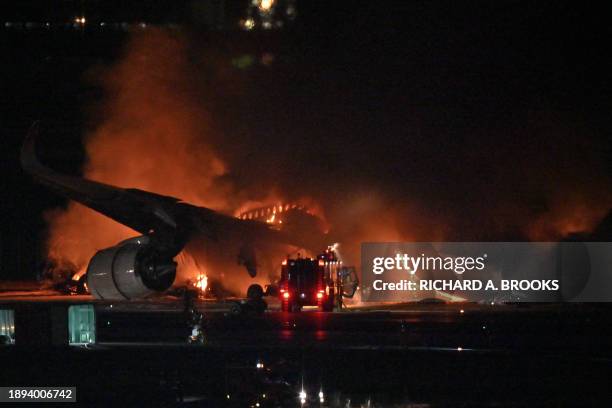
x,y
308,282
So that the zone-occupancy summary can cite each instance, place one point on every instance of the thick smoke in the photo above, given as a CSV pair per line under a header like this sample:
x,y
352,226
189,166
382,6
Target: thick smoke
x,y
152,135
180,119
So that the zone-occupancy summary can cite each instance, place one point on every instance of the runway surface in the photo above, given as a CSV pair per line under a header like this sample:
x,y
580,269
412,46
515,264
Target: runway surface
x,y
422,355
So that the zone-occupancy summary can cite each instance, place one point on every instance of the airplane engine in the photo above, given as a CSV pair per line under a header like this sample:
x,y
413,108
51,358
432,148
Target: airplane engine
x,y
132,269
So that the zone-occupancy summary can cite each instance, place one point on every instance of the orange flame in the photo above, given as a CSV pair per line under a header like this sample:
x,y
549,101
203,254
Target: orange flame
x,y
201,282
151,122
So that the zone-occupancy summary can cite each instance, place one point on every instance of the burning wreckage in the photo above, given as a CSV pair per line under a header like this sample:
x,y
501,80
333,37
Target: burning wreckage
x,y
144,265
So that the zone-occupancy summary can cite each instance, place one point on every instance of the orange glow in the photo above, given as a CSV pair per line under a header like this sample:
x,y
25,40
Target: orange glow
x,y
320,295
154,132
286,295
190,271
77,276
201,282
267,210
151,124
570,216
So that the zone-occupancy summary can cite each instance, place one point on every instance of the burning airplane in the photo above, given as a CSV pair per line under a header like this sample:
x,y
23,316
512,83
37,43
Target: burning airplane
x,y
145,264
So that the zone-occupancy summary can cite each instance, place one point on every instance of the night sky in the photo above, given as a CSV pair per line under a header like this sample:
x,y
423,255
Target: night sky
x,y
480,117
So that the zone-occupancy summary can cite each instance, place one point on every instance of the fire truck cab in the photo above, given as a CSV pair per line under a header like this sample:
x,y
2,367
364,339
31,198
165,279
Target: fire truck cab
x,y
307,282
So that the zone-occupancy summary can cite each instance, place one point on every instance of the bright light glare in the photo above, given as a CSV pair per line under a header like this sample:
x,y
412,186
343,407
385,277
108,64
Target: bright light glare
x,y
265,5
248,24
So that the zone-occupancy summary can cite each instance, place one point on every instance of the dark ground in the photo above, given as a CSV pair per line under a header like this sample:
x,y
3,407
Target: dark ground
x,y
432,355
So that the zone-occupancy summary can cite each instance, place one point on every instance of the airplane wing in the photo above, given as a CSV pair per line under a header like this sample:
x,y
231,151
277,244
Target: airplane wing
x,y
167,220
140,210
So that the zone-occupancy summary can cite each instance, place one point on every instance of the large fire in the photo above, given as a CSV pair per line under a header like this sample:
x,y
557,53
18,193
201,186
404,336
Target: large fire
x,y
153,136
156,134
272,211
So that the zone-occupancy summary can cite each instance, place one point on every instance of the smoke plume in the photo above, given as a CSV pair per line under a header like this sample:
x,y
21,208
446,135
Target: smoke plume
x,y
179,119
152,135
